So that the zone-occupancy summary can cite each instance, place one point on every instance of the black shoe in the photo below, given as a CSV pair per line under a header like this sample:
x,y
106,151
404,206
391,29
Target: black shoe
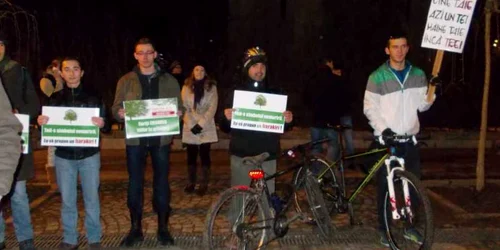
x,y
202,189
135,234
164,236
2,245
27,245
189,188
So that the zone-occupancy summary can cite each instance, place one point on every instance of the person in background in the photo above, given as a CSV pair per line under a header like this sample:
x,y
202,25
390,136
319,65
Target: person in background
x,y
73,163
51,83
200,99
176,70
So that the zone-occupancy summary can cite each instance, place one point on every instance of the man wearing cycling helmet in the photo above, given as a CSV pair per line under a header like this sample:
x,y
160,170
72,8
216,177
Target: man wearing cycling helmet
x,y
395,94
245,142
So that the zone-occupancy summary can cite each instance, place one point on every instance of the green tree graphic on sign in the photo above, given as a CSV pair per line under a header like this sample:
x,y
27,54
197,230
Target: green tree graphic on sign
x,y
70,116
136,108
260,101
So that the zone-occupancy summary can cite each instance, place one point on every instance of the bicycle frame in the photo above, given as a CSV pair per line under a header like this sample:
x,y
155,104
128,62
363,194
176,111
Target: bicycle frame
x,y
385,160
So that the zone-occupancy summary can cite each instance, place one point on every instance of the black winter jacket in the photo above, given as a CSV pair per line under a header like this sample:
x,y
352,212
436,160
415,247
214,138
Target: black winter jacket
x,y
78,97
246,142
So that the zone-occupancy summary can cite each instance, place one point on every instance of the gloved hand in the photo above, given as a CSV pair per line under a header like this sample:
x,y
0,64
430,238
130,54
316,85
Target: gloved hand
x,y
196,129
435,81
388,136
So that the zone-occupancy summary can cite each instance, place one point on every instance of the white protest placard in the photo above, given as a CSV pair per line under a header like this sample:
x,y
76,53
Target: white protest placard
x,y
447,25
258,111
155,117
25,135
70,127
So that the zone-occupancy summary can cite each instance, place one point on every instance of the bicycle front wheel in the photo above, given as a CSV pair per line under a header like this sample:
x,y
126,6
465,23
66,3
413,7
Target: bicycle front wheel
x,y
237,220
328,185
414,229
318,207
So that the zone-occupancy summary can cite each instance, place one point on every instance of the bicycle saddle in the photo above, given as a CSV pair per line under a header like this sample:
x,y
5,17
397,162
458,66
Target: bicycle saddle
x,y
256,160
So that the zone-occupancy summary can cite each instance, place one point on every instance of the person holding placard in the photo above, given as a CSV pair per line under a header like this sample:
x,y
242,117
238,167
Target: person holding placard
x,y
147,82
200,99
395,94
250,142
73,162
25,102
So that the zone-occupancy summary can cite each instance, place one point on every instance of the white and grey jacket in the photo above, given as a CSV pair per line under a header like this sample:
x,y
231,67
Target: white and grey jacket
x,y
390,103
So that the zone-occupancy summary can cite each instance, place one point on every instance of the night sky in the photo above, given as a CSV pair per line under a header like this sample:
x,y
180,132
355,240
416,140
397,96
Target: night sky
x,y
102,34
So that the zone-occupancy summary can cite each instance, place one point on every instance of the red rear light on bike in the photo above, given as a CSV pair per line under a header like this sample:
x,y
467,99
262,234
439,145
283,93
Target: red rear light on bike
x,y
256,174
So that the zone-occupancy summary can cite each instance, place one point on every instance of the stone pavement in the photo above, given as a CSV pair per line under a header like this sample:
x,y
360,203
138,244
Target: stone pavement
x,y
189,211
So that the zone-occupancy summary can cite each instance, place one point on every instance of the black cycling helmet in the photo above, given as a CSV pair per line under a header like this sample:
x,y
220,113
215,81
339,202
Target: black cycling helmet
x,y
252,56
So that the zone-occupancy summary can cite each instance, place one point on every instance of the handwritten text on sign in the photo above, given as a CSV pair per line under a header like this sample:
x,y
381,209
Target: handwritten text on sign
x,y
447,25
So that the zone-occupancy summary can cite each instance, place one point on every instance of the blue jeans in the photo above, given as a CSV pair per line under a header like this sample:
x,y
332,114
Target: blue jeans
x,y
347,134
67,180
136,164
332,152
20,206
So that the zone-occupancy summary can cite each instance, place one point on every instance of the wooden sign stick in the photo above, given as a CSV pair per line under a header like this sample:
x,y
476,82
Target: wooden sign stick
x,y
435,72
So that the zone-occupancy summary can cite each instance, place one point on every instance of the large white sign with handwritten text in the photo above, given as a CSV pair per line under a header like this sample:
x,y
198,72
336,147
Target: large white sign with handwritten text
x,y
447,25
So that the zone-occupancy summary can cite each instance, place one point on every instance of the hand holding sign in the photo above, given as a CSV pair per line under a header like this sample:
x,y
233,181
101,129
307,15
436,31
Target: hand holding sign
x,y
98,121
288,116
228,113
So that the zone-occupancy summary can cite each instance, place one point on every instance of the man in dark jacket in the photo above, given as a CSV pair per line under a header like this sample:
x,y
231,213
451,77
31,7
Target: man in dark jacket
x,y
325,98
13,78
246,142
146,82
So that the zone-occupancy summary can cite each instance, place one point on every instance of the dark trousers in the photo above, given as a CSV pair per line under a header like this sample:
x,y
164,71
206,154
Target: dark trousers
x,y
411,154
136,164
192,155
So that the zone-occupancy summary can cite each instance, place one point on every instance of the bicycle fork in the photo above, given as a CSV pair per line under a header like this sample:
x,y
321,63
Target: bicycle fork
x,y
390,184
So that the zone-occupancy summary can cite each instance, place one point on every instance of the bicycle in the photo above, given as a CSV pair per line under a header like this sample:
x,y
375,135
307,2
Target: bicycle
x,y
401,212
267,219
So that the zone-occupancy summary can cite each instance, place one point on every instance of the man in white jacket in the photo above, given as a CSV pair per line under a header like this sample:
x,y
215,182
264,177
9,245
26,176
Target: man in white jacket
x,y
395,93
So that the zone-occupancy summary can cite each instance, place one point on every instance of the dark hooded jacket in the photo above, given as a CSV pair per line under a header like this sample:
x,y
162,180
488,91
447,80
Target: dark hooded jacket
x,y
25,102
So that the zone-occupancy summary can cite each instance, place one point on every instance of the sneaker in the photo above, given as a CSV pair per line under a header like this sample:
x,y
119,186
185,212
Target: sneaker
x,y
27,245
383,239
413,235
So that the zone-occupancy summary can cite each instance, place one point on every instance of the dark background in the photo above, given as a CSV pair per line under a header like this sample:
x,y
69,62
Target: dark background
x,y
295,34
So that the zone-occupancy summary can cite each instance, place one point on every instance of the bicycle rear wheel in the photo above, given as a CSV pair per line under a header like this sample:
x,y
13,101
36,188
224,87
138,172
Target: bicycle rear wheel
x,y
237,220
318,207
332,192
415,229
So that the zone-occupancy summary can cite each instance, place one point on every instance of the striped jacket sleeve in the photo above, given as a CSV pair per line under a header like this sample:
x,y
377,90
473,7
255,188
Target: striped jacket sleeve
x,y
371,106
